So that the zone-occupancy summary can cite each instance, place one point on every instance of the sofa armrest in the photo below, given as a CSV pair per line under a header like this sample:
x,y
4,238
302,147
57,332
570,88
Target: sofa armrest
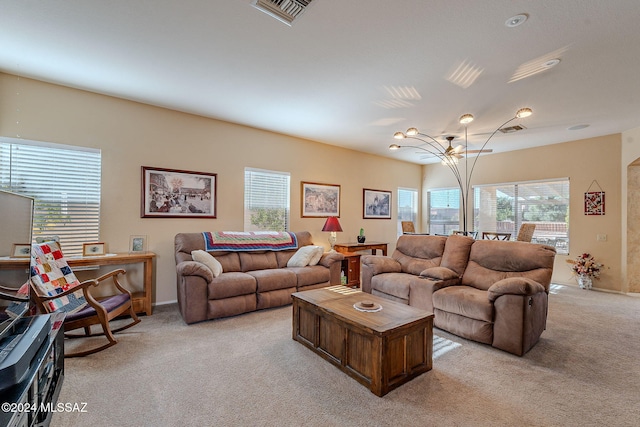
x,y
439,273
381,264
194,268
328,258
514,286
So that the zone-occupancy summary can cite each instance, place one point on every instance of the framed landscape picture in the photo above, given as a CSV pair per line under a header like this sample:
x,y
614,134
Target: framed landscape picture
x,y
319,200
376,204
171,193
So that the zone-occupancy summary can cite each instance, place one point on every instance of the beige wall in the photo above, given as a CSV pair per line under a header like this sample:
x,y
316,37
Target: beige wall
x,y
582,162
132,135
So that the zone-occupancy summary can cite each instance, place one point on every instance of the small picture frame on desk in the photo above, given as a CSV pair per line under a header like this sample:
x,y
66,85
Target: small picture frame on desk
x,y
93,249
21,250
137,244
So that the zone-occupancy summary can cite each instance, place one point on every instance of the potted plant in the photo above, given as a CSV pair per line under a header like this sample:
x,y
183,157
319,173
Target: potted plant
x,y
361,237
586,269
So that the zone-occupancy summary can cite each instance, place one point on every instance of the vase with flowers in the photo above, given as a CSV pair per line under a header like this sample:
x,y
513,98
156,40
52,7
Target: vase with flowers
x,y
586,269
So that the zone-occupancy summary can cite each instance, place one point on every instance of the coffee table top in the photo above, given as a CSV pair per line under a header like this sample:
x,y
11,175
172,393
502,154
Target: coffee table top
x,y
339,301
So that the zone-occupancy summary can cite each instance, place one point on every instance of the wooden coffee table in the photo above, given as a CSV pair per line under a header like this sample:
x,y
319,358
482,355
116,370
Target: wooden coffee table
x,y
382,350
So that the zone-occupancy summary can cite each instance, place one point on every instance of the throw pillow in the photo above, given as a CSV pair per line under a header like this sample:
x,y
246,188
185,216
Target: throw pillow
x,y
207,259
303,256
315,259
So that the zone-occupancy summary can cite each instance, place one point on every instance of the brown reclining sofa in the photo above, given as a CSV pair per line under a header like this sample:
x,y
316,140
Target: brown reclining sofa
x,y
250,280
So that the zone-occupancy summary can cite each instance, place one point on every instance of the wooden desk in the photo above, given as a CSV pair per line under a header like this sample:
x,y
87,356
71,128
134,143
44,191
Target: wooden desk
x,y
354,246
141,300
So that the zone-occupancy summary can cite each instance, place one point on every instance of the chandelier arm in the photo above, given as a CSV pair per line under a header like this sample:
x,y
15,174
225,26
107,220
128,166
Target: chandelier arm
x,y
473,166
431,138
439,151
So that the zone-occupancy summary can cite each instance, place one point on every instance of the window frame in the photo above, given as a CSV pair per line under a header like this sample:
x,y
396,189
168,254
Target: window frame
x,y
247,225
415,207
554,235
65,182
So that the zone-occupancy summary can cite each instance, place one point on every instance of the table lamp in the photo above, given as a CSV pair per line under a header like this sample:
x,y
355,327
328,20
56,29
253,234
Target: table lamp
x,y
332,224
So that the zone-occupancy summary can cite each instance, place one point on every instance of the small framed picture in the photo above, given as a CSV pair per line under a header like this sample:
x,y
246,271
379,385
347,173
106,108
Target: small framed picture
x,y
21,250
376,204
93,249
137,244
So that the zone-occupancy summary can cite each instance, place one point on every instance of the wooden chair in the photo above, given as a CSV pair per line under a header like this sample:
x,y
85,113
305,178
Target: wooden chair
x,y
473,234
491,235
525,234
408,227
55,287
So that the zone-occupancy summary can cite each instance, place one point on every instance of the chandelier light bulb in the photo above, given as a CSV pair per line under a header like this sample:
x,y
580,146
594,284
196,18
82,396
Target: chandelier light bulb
x,y
394,147
412,131
524,112
466,119
399,135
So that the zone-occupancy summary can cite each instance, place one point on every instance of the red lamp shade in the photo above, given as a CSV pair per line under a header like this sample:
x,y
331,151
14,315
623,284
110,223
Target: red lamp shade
x,y
332,224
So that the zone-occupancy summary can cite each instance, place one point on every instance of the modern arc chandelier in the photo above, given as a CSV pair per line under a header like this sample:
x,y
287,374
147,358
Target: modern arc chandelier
x,y
449,156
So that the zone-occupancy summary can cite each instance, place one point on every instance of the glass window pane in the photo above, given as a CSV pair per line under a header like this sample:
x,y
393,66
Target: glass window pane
x,y
444,211
505,207
65,183
407,207
266,200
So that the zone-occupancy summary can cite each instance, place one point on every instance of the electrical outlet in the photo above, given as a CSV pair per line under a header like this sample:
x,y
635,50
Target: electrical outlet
x,y
601,237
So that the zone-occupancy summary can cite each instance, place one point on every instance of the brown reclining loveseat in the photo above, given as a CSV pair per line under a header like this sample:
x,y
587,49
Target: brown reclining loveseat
x,y
494,292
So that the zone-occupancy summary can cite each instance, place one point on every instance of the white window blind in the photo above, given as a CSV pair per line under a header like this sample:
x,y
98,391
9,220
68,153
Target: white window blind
x,y
444,210
407,207
65,183
266,200
505,207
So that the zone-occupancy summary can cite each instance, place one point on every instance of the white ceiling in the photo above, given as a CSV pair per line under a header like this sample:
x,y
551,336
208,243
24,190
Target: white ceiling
x,y
330,77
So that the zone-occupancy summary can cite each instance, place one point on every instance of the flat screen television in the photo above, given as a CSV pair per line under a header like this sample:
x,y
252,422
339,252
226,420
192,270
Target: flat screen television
x,y
16,225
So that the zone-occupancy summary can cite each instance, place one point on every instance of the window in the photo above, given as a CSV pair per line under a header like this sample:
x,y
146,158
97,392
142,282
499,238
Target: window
x,y
266,200
65,183
407,206
444,210
505,207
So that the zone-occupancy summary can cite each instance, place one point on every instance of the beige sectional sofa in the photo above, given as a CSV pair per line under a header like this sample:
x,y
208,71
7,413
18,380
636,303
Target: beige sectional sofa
x,y
250,280
494,292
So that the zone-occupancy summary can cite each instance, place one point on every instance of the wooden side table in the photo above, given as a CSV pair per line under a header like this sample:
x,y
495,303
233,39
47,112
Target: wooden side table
x,y
351,268
353,246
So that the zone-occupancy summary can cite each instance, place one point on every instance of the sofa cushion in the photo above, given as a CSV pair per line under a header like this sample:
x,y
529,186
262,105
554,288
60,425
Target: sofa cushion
x,y
257,260
465,301
395,284
205,258
230,261
491,261
456,253
306,255
231,284
439,273
311,275
272,279
413,265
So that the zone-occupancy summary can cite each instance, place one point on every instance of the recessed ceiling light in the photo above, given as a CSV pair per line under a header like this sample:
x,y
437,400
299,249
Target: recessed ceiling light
x,y
514,21
551,63
578,127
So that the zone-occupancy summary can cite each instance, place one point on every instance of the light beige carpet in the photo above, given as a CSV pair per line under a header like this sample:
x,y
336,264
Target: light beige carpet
x,y
247,371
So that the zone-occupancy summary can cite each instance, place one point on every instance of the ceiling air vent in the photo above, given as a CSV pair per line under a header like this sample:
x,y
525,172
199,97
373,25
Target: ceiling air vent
x,y
285,11
512,129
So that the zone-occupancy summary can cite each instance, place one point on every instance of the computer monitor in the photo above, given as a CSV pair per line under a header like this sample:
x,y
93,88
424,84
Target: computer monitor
x,y
16,225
